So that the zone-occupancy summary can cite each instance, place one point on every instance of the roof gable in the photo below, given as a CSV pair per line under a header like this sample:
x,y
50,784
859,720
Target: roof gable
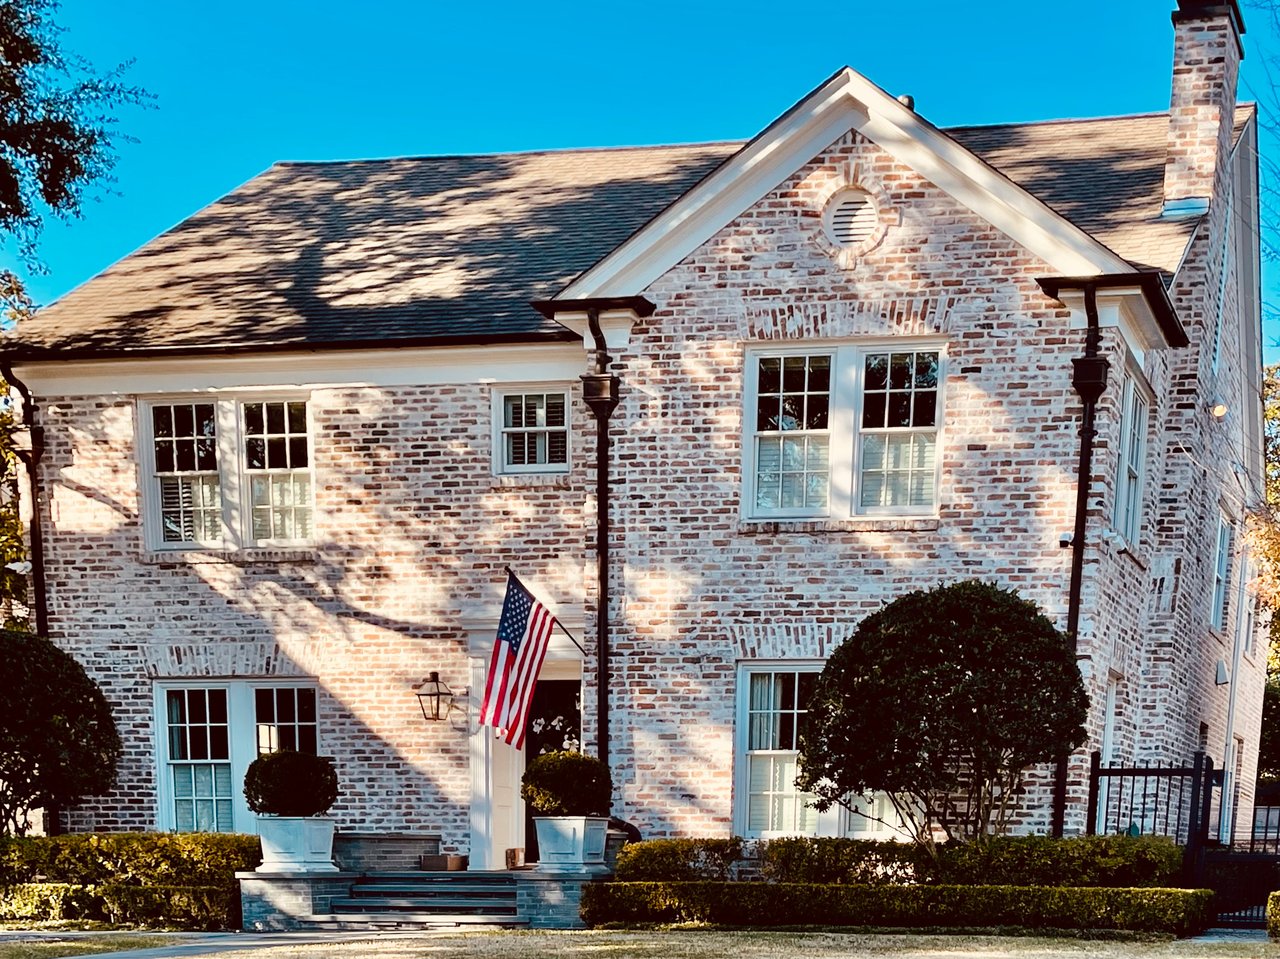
x,y
847,101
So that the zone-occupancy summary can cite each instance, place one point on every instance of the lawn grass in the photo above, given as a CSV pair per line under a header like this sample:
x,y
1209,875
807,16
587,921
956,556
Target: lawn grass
x,y
705,944
49,946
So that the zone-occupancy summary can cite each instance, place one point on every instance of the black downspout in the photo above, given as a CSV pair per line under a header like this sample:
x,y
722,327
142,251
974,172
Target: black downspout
x,y
600,392
1090,380
31,460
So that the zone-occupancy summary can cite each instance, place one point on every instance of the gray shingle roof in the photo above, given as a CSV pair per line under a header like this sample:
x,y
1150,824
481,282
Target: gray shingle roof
x,y
434,249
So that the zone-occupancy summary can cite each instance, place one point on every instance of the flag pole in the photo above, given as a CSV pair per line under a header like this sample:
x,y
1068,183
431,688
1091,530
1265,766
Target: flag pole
x,y
563,628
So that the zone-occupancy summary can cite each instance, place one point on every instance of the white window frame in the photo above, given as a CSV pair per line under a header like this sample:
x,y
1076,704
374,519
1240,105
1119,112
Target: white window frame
x,y
1127,516
844,419
233,476
498,419
1221,574
828,822
242,741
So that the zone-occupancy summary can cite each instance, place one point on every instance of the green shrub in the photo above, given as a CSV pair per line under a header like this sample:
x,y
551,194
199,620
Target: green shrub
x,y
157,907
288,783
844,861
131,859
1178,911
49,900
1273,915
677,860
565,783
171,907
1112,861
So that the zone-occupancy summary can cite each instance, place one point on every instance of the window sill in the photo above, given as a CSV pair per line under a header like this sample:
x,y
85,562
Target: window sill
x,y
532,481
228,557
860,524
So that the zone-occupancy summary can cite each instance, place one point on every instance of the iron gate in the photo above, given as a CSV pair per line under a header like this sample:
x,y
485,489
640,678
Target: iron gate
x,y
1178,801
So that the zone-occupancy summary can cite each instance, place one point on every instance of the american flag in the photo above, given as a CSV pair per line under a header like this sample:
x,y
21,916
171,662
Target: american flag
x,y
521,645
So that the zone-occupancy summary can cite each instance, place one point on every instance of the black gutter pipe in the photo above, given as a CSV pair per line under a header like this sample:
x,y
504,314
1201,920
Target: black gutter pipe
x,y
1089,381
31,460
600,390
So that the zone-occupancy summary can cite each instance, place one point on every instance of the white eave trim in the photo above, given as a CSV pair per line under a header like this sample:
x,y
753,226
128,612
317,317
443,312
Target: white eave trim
x,y
848,101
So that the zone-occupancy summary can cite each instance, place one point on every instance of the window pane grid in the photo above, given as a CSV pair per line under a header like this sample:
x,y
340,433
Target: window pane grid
x,y
277,463
899,415
184,446
792,436
535,434
286,719
1129,492
776,702
199,759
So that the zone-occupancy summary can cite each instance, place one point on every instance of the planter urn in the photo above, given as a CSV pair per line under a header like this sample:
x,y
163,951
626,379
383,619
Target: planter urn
x,y
296,844
569,841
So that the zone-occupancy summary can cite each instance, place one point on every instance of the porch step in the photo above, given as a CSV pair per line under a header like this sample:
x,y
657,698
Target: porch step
x,y
374,921
435,898
427,904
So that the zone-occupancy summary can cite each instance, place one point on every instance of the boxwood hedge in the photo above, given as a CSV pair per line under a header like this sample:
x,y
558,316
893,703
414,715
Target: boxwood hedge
x,y
1110,861
184,881
1178,911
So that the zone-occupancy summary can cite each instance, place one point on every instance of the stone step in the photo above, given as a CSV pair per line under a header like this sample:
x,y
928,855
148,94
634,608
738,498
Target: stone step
x,y
422,875
372,922
402,888
368,904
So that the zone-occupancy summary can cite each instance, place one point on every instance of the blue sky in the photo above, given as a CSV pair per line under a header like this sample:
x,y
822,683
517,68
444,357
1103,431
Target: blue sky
x,y
240,85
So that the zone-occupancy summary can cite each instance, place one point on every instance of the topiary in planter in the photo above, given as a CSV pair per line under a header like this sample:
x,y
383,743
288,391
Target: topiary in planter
x,y
291,784
567,784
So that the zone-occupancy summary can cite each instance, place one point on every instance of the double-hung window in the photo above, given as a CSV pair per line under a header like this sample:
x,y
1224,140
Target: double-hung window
x,y
1221,575
226,473
210,732
843,431
531,431
773,701
1127,518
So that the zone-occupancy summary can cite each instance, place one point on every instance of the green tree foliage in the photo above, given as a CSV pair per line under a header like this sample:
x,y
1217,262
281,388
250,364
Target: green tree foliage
x,y
289,783
58,129
58,743
941,701
1264,538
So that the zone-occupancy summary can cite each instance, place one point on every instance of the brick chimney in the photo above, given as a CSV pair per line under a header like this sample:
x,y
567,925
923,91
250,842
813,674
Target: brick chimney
x,y
1206,62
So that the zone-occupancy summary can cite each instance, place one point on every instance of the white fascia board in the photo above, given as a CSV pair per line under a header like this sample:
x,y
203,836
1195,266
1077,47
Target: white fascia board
x,y
847,102
427,366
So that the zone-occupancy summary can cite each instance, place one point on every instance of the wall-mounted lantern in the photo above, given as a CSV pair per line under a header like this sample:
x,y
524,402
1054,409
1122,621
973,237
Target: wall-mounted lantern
x,y
435,698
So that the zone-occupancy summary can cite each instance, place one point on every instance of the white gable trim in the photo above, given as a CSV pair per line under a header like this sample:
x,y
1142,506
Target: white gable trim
x,y
848,101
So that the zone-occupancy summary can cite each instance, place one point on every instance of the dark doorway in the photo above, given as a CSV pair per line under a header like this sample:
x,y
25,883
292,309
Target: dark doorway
x,y
555,722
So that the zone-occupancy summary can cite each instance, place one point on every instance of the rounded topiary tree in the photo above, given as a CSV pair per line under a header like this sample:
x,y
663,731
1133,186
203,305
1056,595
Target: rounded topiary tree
x,y
941,701
58,743
289,783
565,783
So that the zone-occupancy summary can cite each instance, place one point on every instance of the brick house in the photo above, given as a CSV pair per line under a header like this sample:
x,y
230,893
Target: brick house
x,y
286,449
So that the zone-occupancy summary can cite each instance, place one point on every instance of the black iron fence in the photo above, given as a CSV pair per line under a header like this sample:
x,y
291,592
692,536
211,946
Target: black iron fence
x,y
1159,800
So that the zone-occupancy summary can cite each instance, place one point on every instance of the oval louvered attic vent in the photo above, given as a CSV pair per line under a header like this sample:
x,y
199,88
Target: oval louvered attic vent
x,y
851,218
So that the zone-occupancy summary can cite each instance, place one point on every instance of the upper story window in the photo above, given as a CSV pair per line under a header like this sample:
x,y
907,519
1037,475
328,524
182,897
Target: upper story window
x,y
843,431
1221,575
1127,518
533,432
227,473
185,444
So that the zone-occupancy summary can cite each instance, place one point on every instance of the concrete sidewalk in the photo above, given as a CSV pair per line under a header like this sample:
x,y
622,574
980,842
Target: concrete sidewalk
x,y
211,943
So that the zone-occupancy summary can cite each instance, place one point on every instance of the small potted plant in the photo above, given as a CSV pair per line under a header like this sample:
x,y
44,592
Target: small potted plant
x,y
569,794
290,792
